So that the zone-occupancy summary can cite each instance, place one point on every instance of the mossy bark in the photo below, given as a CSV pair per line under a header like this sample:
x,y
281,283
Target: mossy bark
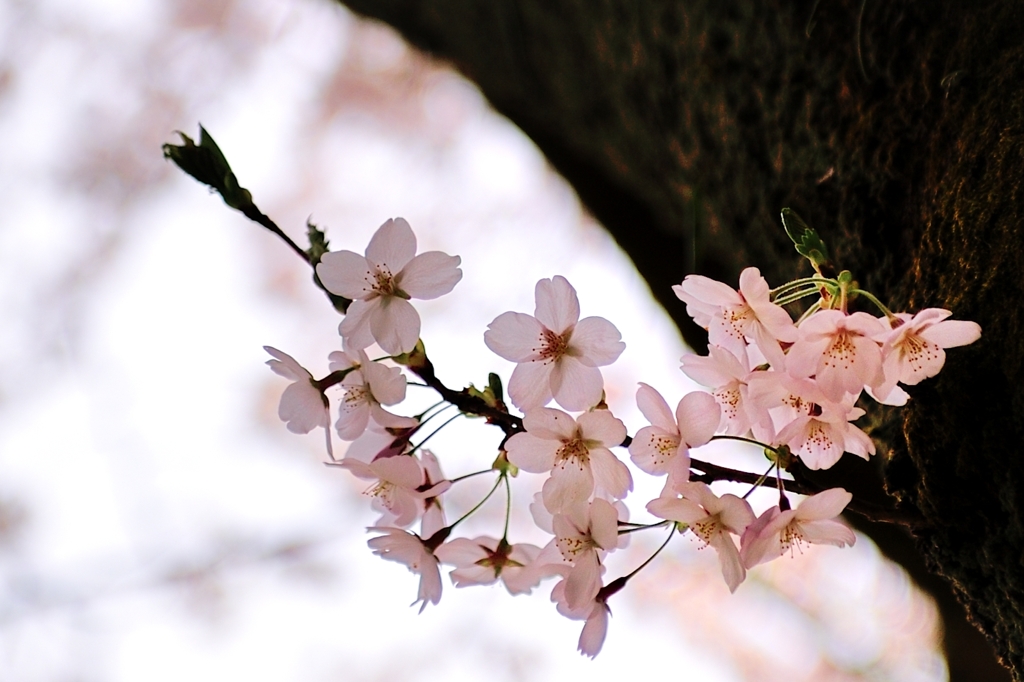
x,y
894,128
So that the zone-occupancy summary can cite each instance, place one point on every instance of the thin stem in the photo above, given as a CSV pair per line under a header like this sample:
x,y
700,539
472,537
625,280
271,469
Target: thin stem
x,y
479,504
760,481
813,279
641,526
508,508
871,297
434,432
815,307
796,296
745,440
465,476
651,558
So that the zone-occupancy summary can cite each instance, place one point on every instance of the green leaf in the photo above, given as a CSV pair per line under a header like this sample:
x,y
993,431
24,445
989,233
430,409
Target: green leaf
x,y
206,163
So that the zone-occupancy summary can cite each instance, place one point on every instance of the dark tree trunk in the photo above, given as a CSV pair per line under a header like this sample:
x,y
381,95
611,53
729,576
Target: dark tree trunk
x,y
894,128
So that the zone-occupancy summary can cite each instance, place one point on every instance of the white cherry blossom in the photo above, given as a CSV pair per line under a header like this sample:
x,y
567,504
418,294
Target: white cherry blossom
x,y
395,490
582,538
381,284
594,612
576,453
712,519
558,354
813,522
664,446
303,405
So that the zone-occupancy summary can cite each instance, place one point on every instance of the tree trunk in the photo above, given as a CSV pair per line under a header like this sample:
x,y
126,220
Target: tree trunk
x,y
894,128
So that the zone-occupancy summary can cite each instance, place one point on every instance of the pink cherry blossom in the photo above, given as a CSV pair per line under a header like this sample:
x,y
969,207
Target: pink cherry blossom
x,y
485,560
813,522
407,548
728,377
434,485
594,612
913,350
303,405
381,284
815,428
576,453
582,538
664,446
839,351
731,317
558,354
395,491
712,519
368,386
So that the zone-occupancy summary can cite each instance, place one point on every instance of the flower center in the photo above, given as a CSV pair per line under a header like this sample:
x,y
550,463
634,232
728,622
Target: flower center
x,y
705,529
553,346
572,548
355,396
841,353
664,445
384,282
573,452
792,539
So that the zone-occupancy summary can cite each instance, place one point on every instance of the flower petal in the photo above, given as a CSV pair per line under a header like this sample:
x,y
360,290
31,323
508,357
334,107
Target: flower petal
x,y
395,325
575,386
346,274
698,415
530,385
654,407
515,336
827,504
596,342
355,328
532,454
430,275
558,308
392,245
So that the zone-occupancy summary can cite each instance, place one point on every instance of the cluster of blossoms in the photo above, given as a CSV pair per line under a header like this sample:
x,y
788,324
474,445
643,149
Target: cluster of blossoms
x,y
790,386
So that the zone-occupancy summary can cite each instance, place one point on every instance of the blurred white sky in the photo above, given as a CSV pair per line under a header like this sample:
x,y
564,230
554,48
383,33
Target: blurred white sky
x,y
158,522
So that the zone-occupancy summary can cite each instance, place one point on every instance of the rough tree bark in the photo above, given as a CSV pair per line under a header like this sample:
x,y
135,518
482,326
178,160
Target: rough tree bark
x,y
894,128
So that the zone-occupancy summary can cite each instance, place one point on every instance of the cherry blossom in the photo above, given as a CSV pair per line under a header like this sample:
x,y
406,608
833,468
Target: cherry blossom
x,y
731,317
368,386
485,560
712,519
576,453
434,485
594,612
582,538
558,354
913,350
303,405
381,284
395,491
839,351
664,446
727,376
813,522
408,548
815,428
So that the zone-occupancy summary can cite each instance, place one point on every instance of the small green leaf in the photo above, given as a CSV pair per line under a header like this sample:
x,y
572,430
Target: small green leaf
x,y
206,163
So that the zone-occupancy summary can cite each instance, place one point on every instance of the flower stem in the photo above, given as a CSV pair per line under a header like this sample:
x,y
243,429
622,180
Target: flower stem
x,y
760,481
871,297
432,433
641,526
745,440
814,279
479,504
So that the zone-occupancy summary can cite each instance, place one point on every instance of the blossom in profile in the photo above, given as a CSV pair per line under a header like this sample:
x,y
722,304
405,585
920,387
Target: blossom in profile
x,y
576,453
712,519
813,522
583,538
303,405
395,493
381,284
408,548
558,354
664,446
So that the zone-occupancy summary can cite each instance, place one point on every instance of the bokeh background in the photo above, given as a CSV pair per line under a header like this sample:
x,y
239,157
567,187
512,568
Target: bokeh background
x,y
158,522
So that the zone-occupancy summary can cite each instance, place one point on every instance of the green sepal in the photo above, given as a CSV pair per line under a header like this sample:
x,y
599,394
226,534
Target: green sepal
x,y
502,464
494,383
206,163
414,359
808,243
318,244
